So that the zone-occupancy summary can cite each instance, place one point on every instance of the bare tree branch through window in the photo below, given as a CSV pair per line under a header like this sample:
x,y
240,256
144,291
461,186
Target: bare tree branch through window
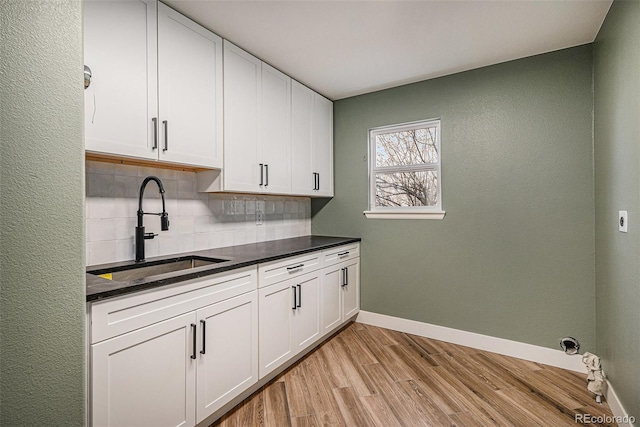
x,y
407,165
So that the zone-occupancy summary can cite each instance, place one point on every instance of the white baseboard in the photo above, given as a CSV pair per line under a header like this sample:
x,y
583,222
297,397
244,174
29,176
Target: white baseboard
x,y
517,349
503,346
622,416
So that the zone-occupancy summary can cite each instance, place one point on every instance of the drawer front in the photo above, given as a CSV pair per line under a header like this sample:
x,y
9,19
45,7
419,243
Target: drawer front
x,y
341,253
117,316
277,271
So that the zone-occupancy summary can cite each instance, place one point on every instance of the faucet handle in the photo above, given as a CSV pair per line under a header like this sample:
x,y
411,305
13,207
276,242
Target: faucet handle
x,y
149,235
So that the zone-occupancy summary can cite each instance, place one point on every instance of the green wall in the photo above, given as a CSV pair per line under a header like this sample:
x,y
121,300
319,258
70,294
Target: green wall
x,y
41,210
617,179
514,256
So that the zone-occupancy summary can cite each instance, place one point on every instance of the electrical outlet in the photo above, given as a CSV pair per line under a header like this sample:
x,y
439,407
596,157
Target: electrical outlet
x,y
259,212
622,221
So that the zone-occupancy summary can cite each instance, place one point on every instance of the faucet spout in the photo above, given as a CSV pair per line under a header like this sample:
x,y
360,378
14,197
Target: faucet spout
x,y
141,236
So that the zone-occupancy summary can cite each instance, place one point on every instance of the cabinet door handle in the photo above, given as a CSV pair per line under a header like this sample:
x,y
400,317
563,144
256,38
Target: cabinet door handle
x,y
295,267
343,253
193,330
155,133
295,304
166,135
318,186
266,170
315,181
261,174
299,296
204,336
344,277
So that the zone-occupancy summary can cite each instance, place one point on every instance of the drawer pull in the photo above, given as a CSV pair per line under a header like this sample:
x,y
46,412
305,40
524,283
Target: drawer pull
x,y
295,267
343,253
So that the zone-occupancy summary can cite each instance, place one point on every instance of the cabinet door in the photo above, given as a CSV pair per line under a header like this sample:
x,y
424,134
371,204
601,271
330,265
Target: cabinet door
x,y
351,290
190,91
302,178
228,351
306,316
146,377
323,145
274,150
242,76
121,101
276,305
332,278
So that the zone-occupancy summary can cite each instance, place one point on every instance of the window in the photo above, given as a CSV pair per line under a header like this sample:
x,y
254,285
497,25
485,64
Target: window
x,y
404,171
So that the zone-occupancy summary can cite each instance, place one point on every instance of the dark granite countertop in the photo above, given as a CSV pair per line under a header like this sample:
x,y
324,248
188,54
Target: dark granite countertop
x,y
238,256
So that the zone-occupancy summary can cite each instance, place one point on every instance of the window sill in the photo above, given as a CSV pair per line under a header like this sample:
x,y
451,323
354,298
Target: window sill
x,y
404,215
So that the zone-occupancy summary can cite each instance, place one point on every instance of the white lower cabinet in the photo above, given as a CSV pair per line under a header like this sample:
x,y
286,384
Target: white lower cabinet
x,y
177,371
289,319
340,293
350,303
176,355
146,377
228,352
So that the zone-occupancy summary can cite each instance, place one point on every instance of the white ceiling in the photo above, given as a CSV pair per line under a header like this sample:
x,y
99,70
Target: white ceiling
x,y
346,48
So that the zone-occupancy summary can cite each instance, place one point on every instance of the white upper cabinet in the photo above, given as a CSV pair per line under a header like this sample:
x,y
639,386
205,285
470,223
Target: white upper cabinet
x,y
156,86
312,143
274,148
242,107
190,91
121,102
323,145
302,177
257,125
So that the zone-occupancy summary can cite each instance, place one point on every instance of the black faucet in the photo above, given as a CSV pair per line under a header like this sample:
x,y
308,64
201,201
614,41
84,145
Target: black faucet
x,y
141,236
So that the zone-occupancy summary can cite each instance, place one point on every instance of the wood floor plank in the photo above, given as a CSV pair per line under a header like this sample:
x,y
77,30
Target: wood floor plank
x,y
356,347
576,386
332,365
414,363
539,409
249,413
306,421
351,408
380,411
369,376
357,377
518,366
324,404
424,405
387,358
389,391
475,379
381,335
298,397
448,382
276,407
465,419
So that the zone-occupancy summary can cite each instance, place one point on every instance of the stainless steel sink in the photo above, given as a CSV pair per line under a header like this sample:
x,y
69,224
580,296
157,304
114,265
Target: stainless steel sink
x,y
153,268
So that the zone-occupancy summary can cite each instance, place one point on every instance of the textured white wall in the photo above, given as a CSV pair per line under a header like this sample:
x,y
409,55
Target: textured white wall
x,y
41,212
198,220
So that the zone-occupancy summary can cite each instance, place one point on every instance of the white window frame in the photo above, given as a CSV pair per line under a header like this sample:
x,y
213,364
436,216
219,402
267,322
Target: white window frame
x,y
405,212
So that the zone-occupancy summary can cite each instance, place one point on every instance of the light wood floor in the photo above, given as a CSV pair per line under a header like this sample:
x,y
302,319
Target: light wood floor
x,y
368,376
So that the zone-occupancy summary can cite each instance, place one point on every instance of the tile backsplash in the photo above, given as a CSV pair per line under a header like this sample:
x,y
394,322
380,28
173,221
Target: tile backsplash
x,y
198,220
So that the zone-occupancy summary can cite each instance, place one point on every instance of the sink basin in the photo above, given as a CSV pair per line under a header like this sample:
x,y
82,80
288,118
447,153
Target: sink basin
x,y
153,268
